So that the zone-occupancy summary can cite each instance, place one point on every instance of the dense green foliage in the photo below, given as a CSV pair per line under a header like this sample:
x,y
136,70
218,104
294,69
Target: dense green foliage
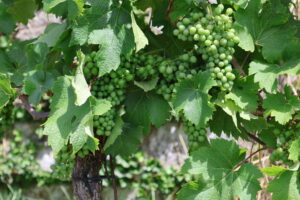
x,y
113,70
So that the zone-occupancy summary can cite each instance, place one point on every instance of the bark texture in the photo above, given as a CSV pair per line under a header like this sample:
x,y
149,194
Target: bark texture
x,y
86,185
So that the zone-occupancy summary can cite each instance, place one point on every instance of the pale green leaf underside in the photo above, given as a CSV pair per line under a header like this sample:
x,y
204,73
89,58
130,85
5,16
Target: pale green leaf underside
x,y
139,37
79,83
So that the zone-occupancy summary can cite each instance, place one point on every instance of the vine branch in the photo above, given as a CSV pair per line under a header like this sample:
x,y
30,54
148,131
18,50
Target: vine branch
x,y
250,156
22,101
256,139
238,67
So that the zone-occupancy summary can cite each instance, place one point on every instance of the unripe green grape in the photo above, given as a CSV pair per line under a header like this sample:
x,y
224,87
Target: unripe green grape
x,y
193,59
229,11
207,42
228,68
186,32
196,37
224,79
216,70
222,56
223,42
193,30
202,38
221,64
219,75
176,32
186,21
181,28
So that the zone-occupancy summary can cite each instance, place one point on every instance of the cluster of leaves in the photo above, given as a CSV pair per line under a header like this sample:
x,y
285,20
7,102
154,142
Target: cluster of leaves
x,y
55,62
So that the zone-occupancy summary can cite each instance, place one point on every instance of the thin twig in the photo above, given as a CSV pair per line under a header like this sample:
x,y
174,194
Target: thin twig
x,y
245,59
250,156
238,67
256,139
22,101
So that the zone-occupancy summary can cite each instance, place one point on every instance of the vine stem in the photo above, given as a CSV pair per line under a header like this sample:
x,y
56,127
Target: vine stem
x,y
250,156
238,67
22,101
256,139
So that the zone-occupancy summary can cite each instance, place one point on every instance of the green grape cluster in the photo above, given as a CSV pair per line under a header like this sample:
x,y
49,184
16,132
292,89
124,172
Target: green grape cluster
x,y
64,163
174,71
7,118
215,39
196,135
142,66
91,68
112,86
105,123
146,66
285,136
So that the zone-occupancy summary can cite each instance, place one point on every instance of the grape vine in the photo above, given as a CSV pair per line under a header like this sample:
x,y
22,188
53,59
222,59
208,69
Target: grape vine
x,y
108,74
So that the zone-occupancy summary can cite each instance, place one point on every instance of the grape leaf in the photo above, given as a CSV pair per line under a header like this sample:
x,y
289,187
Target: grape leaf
x,y
124,136
7,22
81,88
239,3
147,85
36,83
244,94
36,55
256,124
265,75
247,42
180,8
281,106
285,186
108,57
192,97
139,37
273,171
272,35
52,34
294,150
18,62
22,10
267,135
222,180
94,18
291,51
102,15
68,122
69,8
5,63
6,92
145,108
230,108
221,122
50,4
